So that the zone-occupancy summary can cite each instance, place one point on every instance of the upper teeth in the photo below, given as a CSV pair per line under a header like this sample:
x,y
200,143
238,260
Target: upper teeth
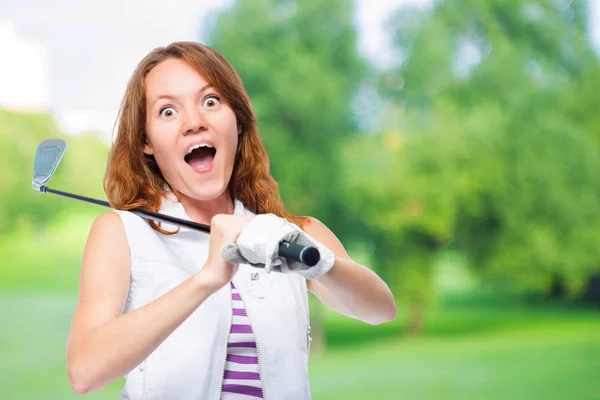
x,y
197,146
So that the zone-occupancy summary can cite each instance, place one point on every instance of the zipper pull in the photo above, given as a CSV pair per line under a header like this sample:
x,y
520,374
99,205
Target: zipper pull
x,y
255,285
308,339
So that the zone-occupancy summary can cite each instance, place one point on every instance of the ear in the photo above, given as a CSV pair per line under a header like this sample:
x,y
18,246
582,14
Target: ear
x,y
148,149
239,129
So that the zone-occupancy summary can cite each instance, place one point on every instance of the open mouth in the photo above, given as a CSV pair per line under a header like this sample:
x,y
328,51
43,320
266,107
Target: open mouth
x,y
200,157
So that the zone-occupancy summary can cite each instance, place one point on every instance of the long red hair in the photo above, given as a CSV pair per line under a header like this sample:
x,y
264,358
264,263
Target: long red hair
x,y
133,178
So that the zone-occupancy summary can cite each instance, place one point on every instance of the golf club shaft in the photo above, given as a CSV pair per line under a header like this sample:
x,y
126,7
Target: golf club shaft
x,y
307,255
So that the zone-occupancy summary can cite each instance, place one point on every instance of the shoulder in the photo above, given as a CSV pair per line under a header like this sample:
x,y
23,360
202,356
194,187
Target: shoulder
x,y
109,222
314,226
109,231
126,225
107,246
322,234
107,227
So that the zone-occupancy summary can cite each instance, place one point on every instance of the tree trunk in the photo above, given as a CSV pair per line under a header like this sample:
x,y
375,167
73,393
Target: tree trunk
x,y
415,319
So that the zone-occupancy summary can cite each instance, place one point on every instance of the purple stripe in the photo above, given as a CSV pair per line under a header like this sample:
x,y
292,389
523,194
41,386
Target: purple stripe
x,y
236,296
243,389
241,375
241,328
242,359
242,344
239,311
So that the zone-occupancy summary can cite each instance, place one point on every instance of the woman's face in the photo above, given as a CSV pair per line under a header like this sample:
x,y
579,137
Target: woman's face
x,y
191,132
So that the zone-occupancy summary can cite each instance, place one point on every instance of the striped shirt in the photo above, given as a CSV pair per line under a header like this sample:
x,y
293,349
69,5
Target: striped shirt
x,y
242,376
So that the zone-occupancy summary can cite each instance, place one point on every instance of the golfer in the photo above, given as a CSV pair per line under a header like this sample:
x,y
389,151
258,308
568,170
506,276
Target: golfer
x,y
183,314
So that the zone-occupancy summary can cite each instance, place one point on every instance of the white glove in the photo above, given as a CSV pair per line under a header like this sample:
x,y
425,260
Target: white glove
x,y
258,245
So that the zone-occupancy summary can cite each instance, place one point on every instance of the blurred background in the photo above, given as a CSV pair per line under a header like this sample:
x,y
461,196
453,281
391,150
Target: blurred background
x,y
453,146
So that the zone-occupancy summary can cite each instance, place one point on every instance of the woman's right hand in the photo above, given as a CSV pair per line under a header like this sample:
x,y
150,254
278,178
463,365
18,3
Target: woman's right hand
x,y
224,230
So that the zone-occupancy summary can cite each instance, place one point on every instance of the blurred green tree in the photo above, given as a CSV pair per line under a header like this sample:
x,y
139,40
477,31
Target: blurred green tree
x,y
299,63
498,146
81,171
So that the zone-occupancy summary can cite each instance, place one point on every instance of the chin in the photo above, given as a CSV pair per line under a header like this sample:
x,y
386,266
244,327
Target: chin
x,y
207,191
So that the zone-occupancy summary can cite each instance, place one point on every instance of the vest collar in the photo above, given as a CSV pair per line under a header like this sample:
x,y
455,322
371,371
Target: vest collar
x,y
172,206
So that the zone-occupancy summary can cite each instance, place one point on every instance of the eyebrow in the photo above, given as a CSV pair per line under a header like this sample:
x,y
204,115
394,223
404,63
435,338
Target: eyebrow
x,y
170,97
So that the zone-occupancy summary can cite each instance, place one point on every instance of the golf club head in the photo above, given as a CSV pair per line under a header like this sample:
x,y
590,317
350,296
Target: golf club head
x,y
47,157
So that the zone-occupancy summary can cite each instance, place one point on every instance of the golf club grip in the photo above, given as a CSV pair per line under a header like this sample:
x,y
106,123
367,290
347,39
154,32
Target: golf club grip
x,y
307,255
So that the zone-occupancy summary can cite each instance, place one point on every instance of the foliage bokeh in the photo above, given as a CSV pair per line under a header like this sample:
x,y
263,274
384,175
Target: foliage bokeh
x,y
463,174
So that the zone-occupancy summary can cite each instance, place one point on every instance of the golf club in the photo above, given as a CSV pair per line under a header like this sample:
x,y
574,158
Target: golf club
x,y
49,154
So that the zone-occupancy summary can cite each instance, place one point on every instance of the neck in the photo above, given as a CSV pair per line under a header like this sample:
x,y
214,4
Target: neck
x,y
202,211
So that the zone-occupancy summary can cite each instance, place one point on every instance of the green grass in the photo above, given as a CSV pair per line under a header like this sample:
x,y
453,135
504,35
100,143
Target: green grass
x,y
550,362
32,343
519,352
464,315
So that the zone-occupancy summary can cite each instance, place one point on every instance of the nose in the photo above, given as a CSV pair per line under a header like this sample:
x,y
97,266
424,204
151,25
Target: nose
x,y
194,121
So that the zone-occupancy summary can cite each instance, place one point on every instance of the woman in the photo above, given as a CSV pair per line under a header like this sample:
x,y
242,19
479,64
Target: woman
x,y
162,306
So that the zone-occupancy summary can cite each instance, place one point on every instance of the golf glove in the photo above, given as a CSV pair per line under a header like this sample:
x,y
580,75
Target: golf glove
x,y
258,245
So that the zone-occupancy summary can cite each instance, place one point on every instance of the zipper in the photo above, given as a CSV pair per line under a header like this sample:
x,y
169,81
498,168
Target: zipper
x,y
308,340
254,278
226,343
145,374
306,309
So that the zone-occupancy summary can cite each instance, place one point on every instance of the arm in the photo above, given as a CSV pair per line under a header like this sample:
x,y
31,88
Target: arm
x,y
350,288
103,343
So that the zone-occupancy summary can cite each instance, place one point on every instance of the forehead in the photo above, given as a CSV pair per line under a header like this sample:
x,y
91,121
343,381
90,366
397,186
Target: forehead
x,y
173,77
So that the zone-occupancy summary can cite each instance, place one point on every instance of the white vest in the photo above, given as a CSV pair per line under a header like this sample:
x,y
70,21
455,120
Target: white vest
x,y
189,364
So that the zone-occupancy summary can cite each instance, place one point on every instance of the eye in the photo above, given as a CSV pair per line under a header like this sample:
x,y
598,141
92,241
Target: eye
x,y
167,112
211,101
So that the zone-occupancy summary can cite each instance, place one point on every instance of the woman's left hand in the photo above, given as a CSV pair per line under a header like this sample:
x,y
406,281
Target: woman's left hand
x,y
258,244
